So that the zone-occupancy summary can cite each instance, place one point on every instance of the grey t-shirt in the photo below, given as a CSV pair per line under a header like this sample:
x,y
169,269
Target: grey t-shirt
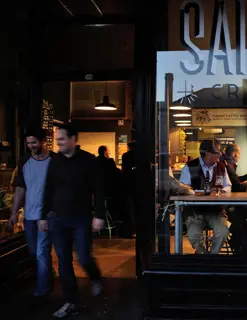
x,y
31,175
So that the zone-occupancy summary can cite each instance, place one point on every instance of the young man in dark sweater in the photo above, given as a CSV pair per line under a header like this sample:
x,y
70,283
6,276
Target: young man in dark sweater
x,y
72,177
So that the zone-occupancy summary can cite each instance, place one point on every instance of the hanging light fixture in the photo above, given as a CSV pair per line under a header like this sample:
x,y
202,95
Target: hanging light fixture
x,y
180,108
183,121
181,115
105,105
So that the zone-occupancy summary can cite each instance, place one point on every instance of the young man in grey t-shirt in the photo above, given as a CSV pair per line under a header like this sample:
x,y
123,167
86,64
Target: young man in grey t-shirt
x,y
29,188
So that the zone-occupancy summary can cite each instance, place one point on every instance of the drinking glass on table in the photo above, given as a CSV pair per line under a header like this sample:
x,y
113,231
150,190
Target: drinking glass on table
x,y
219,183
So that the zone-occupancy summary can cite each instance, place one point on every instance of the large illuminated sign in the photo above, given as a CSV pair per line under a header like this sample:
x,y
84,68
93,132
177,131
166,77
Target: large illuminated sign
x,y
220,48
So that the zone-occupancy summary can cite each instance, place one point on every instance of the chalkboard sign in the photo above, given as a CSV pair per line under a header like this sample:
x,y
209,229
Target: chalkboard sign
x,y
47,122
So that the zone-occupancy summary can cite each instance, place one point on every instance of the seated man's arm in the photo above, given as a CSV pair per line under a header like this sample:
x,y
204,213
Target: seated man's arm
x,y
243,178
185,176
237,185
177,187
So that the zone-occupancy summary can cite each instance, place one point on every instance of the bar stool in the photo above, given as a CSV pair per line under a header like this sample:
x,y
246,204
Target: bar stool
x,y
110,223
208,238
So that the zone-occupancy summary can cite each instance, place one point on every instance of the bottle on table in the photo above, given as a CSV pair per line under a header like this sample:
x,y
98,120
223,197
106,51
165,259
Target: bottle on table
x,y
207,185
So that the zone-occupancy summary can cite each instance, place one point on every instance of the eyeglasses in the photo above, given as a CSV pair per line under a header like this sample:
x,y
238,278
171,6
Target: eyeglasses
x,y
216,152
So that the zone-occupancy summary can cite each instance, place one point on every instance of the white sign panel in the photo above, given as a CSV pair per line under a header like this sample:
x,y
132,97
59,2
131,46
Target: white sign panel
x,y
219,117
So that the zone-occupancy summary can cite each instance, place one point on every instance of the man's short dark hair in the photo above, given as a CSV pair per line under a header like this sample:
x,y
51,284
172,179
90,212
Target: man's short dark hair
x,y
70,130
208,146
132,145
33,131
102,150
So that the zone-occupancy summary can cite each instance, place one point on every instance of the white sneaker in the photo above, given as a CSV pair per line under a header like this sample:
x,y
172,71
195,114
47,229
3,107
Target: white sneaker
x,y
66,310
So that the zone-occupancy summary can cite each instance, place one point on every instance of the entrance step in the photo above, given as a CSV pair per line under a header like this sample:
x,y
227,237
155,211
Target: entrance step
x,y
197,287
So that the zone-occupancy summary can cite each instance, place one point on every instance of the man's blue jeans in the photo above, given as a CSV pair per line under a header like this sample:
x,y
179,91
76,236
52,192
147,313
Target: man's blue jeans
x,y
39,244
68,232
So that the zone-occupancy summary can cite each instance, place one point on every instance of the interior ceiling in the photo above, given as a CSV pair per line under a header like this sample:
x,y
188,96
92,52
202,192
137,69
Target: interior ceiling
x,y
30,9
99,7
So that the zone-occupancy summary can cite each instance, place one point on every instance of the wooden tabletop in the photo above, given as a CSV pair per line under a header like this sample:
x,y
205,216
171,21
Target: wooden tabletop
x,y
234,196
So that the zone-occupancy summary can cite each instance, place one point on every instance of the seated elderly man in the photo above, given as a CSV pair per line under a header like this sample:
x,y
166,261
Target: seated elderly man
x,y
200,217
237,215
230,159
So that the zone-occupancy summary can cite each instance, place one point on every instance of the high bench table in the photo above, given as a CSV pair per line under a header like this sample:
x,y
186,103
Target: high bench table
x,y
234,199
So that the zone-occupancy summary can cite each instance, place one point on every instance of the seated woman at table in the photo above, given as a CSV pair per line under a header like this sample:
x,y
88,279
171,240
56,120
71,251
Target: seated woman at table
x,y
199,218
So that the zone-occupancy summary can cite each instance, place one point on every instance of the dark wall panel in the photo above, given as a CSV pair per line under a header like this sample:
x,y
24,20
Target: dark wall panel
x,y
89,48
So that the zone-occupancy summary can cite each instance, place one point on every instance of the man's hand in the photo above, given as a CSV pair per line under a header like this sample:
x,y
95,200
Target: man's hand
x,y
43,225
97,224
12,220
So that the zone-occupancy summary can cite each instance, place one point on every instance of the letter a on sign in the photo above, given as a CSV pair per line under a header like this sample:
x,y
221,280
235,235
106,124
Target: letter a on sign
x,y
220,37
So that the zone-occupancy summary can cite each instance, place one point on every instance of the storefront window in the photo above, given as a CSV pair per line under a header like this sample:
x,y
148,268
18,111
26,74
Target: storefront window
x,y
201,93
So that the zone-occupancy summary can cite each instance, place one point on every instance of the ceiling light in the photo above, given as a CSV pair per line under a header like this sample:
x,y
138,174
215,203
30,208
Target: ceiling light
x,y
183,121
180,108
105,105
180,115
97,25
188,133
184,125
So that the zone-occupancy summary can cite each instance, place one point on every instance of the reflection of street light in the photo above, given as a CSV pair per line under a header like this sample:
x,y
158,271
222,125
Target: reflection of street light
x,y
180,115
180,108
183,121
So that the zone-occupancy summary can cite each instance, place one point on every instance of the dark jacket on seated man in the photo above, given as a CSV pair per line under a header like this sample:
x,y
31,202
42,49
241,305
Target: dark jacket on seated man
x,y
239,183
236,215
197,178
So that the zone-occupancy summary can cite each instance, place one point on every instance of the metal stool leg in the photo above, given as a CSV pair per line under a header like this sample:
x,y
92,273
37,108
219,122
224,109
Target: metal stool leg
x,y
109,220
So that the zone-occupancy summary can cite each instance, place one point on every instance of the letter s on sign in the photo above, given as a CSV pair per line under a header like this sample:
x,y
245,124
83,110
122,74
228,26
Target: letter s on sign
x,y
185,35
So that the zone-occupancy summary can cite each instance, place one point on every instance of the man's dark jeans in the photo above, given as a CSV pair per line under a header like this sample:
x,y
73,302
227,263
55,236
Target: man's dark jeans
x,y
66,232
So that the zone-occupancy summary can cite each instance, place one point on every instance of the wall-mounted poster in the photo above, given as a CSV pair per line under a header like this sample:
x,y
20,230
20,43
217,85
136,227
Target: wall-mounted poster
x,y
122,147
47,122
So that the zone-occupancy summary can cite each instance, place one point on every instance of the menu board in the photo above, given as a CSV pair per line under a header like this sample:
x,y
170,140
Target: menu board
x,y
219,117
47,122
225,141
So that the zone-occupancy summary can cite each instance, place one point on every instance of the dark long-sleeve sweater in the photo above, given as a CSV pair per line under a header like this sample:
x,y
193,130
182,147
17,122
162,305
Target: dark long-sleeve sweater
x,y
70,184
238,183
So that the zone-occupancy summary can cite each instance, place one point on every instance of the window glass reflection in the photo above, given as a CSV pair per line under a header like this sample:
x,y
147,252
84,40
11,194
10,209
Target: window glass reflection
x,y
206,199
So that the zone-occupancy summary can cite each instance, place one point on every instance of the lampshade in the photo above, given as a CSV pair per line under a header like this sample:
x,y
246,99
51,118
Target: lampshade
x,y
105,105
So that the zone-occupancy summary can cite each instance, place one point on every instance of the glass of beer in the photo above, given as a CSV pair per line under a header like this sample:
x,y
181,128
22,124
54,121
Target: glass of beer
x,y
219,183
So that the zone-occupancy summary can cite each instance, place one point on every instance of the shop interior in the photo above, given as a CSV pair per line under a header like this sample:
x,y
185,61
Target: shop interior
x,y
102,113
